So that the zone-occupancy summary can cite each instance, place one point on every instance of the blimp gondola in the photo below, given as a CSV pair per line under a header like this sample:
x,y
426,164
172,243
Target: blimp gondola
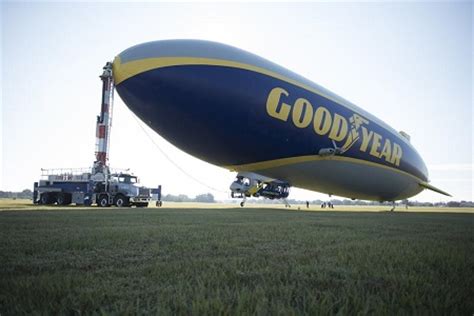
x,y
275,128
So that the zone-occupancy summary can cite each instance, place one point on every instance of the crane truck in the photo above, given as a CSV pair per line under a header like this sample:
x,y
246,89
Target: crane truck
x,y
99,185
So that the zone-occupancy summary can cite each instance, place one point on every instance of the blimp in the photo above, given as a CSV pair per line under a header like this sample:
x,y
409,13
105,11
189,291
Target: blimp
x,y
273,127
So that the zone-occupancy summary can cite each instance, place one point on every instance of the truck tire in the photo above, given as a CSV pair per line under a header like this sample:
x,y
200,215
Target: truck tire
x,y
121,201
63,198
60,199
103,201
45,199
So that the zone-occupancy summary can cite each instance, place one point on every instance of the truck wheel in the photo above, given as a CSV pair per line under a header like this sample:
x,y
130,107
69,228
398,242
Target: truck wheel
x,y
121,201
45,199
103,201
61,199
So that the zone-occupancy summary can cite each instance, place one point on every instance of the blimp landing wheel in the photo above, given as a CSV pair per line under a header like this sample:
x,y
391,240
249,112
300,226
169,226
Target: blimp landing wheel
x,y
242,204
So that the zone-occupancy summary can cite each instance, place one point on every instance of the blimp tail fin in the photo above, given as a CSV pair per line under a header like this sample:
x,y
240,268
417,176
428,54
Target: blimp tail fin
x,y
428,186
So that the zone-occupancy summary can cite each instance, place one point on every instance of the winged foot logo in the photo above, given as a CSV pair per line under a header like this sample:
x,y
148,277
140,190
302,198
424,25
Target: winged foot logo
x,y
347,132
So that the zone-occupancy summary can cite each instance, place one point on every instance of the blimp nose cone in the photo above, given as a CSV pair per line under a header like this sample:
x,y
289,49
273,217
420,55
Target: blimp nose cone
x,y
118,70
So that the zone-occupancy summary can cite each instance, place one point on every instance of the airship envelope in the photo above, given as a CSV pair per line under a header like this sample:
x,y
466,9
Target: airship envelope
x,y
234,109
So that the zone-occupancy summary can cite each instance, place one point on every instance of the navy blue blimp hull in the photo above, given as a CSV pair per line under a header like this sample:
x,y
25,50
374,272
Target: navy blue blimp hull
x,y
237,110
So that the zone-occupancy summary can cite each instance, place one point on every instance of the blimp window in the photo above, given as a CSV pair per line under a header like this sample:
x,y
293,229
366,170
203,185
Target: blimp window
x,y
246,181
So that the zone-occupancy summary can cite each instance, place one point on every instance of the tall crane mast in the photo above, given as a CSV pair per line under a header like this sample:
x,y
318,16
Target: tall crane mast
x,y
104,121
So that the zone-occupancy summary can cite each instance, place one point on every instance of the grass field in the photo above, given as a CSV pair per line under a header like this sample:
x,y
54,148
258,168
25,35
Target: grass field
x,y
235,261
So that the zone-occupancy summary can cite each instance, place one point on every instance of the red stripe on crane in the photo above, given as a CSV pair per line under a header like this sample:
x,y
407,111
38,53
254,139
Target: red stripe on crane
x,y
101,131
101,156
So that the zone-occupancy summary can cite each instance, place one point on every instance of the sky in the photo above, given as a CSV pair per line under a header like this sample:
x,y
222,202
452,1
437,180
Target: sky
x,y
408,63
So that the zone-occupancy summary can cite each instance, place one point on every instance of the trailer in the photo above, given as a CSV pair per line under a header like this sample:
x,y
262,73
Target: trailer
x,y
99,185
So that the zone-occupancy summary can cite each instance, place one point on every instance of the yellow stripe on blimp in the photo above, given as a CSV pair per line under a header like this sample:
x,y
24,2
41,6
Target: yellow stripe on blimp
x,y
129,69
301,159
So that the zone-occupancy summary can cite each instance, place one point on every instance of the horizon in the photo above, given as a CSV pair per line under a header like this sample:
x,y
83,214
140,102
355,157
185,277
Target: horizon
x,y
256,200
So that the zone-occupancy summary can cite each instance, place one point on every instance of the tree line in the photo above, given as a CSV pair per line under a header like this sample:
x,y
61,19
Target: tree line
x,y
209,198
25,194
203,198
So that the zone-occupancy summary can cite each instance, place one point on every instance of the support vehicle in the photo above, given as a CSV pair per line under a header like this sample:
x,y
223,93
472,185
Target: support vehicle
x,y
97,185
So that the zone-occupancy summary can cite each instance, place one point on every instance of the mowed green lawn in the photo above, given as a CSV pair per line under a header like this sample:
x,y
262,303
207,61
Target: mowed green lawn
x,y
235,261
